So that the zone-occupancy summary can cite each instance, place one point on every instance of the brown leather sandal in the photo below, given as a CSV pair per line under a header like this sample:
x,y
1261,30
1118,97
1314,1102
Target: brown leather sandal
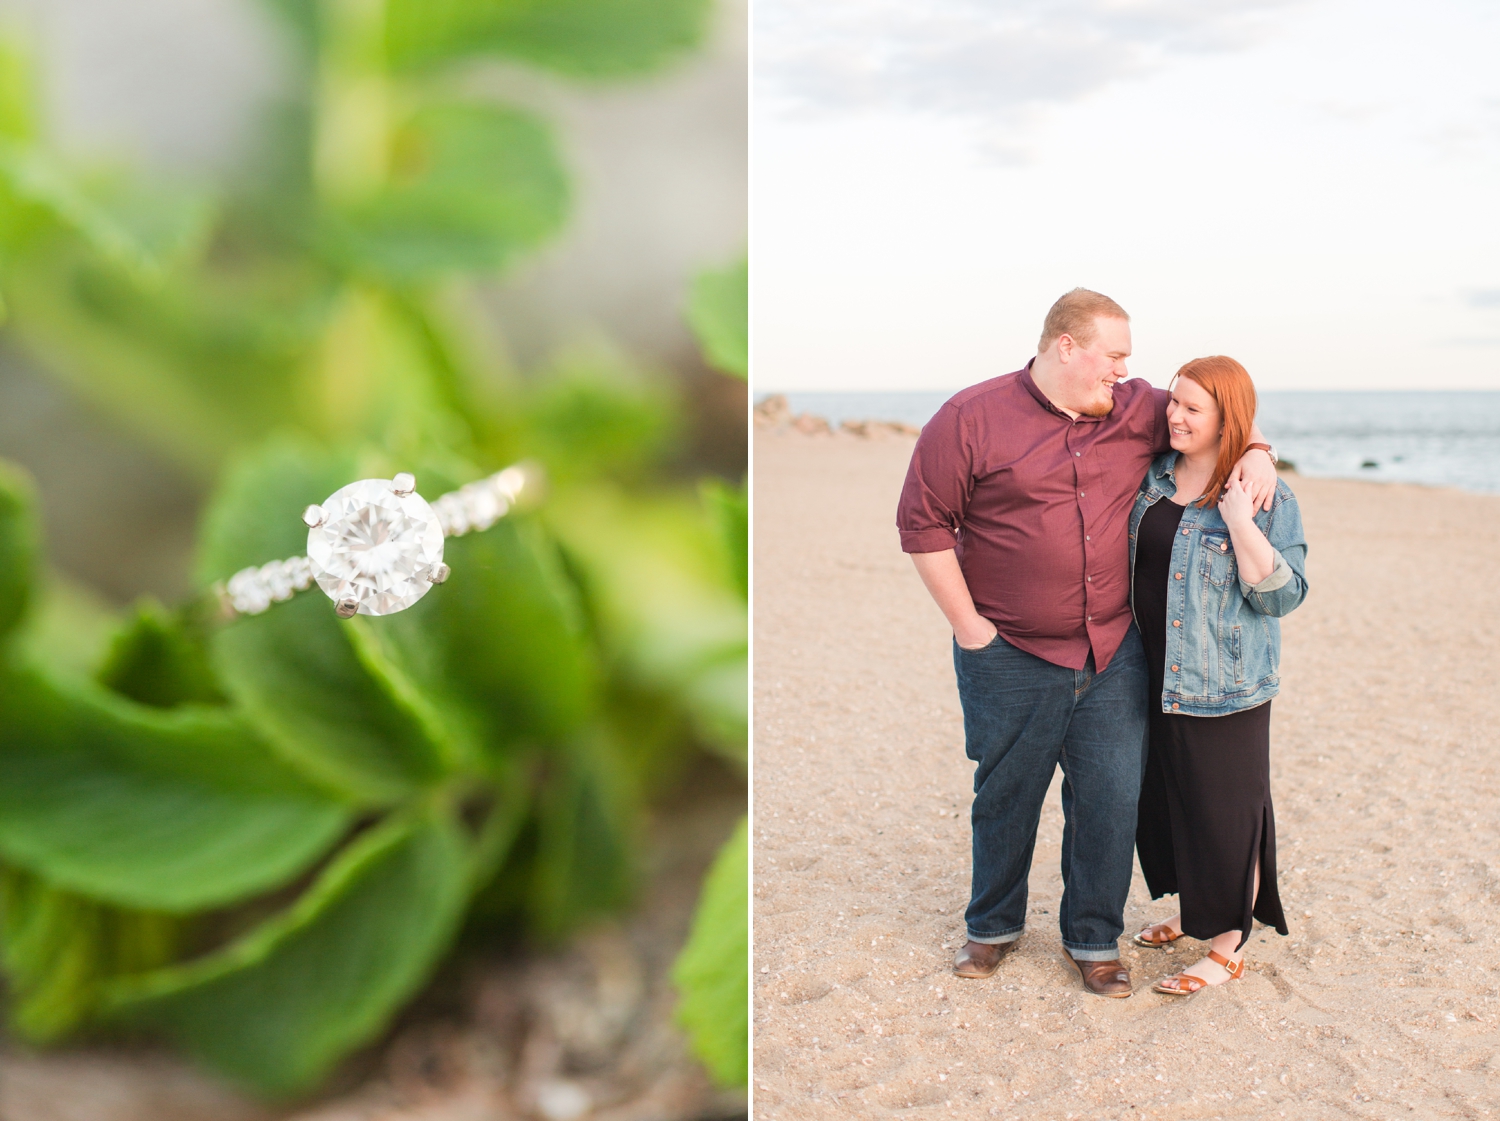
x,y
1155,936
1185,984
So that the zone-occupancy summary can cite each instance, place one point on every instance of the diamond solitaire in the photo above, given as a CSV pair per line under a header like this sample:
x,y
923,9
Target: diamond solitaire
x,y
376,546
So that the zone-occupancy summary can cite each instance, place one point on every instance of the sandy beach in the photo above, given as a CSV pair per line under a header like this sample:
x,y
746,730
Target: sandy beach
x,y
1382,1002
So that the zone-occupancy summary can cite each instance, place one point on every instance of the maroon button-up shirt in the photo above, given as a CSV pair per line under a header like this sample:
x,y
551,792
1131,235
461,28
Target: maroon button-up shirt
x,y
1038,507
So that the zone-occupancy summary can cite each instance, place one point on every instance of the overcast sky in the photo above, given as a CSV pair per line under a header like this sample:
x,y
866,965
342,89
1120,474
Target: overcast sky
x,y
1311,186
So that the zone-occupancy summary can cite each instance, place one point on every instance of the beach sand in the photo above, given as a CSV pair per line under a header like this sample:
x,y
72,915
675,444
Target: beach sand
x,y
1385,773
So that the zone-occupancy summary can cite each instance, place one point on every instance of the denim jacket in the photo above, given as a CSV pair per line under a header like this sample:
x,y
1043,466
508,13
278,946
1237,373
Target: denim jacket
x,y
1225,655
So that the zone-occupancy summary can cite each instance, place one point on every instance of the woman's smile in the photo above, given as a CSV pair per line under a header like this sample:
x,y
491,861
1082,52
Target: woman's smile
x,y
1193,418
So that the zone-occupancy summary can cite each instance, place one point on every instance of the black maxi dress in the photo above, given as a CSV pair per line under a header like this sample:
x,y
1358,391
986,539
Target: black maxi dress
x,y
1205,809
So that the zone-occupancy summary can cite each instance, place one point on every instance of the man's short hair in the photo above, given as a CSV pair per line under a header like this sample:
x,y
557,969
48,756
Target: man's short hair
x,y
1074,315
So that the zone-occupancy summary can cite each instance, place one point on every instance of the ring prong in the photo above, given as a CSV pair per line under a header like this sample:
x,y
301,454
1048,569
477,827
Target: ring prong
x,y
314,516
347,608
440,573
404,483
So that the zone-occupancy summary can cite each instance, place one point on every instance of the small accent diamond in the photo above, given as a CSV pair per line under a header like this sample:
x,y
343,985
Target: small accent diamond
x,y
247,593
376,547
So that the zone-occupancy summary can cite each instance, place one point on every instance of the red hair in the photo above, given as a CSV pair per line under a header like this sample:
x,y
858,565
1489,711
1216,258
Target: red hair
x,y
1229,384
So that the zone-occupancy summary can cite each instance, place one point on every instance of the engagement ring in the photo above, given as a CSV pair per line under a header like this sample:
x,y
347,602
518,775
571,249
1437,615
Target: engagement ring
x,y
375,547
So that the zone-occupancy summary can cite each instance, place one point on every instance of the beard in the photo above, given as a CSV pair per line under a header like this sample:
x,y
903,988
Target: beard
x,y
1102,405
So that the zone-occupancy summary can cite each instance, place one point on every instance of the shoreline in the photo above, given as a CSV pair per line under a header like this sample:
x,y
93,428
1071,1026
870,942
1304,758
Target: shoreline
x,y
772,414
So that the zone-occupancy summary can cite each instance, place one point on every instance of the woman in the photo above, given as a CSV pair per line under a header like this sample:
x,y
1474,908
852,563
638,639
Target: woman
x,y
1211,577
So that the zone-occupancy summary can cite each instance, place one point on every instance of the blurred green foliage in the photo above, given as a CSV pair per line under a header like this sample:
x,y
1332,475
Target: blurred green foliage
x,y
719,310
711,970
260,839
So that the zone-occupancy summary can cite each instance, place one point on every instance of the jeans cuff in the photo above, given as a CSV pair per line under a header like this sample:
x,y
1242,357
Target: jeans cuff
x,y
997,939
1092,951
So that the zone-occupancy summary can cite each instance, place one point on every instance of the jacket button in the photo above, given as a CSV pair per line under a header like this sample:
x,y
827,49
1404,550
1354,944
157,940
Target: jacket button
x,y
1174,708
1175,669
1177,622
1184,533
1179,576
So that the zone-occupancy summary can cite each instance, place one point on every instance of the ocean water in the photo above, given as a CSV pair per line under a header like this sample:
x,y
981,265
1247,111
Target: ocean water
x,y
1437,438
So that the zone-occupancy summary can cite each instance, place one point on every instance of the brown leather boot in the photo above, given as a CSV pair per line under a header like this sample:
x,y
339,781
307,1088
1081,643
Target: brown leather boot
x,y
1103,978
980,959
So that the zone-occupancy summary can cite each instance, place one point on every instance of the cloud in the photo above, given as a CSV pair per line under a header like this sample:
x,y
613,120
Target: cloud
x,y
982,59
1485,298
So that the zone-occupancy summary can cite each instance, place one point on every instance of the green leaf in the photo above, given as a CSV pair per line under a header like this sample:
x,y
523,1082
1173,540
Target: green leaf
x,y
68,627
139,227
297,675
160,810
198,365
713,971
302,15
18,546
18,86
59,949
586,839
295,669
729,506
276,1008
375,378
592,414
472,186
504,636
717,697
719,313
661,598
155,661
583,38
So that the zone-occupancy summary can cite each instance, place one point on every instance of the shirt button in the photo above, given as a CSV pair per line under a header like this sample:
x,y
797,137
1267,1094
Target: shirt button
x,y
1179,576
1177,622
1080,494
1086,537
1090,579
1077,453
1175,669
1090,619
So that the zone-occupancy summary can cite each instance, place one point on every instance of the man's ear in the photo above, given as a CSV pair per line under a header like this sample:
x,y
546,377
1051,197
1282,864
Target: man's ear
x,y
1064,346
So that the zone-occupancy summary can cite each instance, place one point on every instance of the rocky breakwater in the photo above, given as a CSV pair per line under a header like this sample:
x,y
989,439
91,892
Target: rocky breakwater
x,y
776,414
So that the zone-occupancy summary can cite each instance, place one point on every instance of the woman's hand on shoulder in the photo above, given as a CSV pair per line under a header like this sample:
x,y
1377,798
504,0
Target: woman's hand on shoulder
x,y
1253,551
1256,471
1236,506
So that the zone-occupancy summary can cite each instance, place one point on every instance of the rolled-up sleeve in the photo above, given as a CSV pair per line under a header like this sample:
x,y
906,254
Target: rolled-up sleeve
x,y
1281,576
1286,587
938,484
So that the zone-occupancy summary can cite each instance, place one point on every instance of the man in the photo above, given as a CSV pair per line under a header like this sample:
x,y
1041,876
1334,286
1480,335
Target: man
x,y
1016,512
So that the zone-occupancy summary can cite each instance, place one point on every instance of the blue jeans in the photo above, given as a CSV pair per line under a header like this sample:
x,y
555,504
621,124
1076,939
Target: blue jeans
x,y
1024,716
